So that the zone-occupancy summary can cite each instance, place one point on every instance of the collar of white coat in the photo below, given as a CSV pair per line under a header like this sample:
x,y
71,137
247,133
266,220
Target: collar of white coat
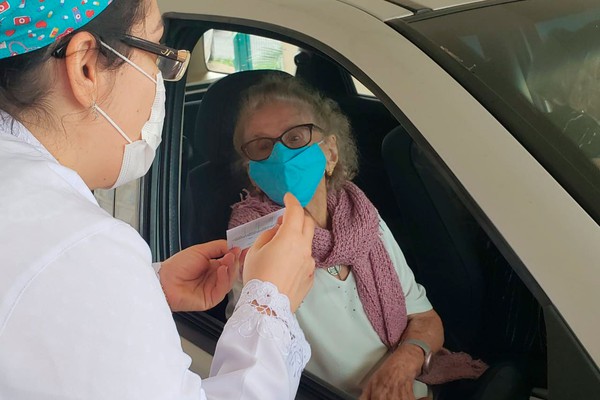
x,y
12,127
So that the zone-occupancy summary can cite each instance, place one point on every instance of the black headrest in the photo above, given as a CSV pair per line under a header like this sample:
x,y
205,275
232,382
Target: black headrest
x,y
321,72
217,114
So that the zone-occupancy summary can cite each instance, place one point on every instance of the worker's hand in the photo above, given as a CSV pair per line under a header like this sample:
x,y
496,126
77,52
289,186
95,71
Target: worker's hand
x,y
283,255
199,277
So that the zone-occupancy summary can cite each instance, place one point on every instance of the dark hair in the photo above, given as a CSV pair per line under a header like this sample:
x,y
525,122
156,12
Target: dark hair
x,y
25,79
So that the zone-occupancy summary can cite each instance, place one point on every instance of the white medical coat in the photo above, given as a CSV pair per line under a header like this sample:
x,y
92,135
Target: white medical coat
x,y
82,313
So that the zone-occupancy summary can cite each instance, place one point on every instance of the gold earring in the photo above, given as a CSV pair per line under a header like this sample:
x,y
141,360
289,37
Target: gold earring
x,y
330,172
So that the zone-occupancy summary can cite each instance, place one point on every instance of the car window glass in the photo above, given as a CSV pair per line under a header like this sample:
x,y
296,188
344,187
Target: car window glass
x,y
543,60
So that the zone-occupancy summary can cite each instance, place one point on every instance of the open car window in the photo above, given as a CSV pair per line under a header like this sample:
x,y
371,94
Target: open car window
x,y
206,177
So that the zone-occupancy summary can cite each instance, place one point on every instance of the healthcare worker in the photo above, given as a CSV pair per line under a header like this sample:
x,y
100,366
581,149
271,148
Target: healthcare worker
x,y
82,313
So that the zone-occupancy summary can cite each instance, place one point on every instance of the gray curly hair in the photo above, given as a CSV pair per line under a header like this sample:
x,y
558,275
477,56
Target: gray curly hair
x,y
326,112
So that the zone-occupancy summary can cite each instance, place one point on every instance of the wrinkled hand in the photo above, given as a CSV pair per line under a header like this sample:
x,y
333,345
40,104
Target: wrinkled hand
x,y
283,255
394,378
199,277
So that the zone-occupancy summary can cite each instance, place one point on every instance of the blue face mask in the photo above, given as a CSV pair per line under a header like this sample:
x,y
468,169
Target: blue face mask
x,y
297,171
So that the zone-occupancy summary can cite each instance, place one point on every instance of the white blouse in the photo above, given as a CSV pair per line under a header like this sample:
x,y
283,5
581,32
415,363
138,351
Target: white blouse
x,y
82,315
345,347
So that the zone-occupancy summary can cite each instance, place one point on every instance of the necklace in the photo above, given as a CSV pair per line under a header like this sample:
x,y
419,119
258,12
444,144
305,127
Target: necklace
x,y
335,270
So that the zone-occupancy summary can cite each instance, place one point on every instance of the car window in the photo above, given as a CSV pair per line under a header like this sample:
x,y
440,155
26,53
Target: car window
x,y
208,189
545,57
544,62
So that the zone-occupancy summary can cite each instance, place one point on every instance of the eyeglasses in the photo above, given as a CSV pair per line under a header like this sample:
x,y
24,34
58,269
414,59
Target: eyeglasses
x,y
172,63
296,137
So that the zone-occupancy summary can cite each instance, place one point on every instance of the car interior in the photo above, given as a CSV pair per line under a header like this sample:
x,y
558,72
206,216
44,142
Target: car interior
x,y
485,307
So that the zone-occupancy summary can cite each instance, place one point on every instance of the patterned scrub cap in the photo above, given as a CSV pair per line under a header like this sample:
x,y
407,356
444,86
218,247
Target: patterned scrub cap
x,y
28,25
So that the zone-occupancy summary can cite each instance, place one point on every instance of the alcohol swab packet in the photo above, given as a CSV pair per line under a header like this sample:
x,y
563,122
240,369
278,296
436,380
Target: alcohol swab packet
x,y
245,235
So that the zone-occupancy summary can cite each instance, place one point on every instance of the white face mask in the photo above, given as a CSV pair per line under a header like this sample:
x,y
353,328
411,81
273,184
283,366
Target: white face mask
x,y
139,155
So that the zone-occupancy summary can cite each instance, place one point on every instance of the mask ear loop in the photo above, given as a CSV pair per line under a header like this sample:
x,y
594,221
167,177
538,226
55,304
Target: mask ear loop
x,y
110,121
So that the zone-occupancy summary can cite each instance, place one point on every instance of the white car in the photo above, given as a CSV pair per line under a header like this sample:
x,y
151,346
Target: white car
x,y
477,146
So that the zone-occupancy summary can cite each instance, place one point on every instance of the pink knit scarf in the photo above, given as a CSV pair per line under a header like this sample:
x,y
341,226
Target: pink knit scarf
x,y
354,240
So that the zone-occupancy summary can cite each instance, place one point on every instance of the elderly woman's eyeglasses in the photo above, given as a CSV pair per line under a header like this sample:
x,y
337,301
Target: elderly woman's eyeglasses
x,y
296,137
172,63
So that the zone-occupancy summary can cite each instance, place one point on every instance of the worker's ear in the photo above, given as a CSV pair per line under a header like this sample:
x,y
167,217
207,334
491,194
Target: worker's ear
x,y
81,62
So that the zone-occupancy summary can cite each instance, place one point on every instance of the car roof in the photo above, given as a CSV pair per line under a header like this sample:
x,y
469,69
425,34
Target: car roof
x,y
430,4
380,9
386,10
383,10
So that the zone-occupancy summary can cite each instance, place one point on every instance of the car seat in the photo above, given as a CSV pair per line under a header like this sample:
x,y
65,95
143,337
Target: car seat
x,y
214,185
486,309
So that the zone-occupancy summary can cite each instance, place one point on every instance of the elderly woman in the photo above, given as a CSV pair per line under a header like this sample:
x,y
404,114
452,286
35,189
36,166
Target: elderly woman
x,y
369,323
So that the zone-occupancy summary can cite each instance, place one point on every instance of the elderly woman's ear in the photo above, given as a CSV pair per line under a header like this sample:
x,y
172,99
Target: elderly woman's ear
x,y
331,153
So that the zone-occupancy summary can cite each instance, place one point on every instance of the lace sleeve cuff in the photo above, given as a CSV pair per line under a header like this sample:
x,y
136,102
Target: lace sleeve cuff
x,y
262,309
156,266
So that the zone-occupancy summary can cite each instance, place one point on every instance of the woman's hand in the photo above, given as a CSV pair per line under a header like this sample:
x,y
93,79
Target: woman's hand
x,y
395,377
283,254
199,277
